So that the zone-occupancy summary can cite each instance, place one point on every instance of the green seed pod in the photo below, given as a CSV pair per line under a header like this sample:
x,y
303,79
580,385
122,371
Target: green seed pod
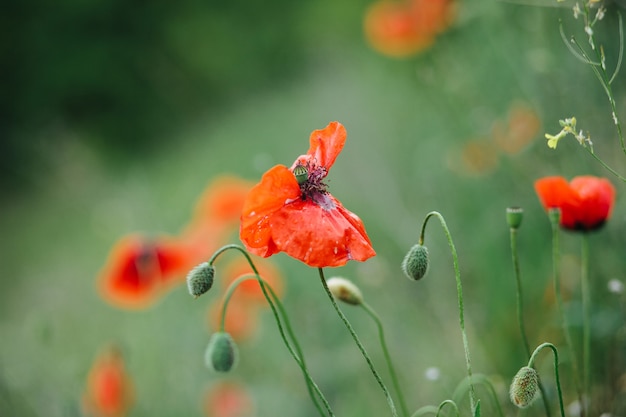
x,y
345,290
514,217
301,173
200,279
221,354
524,387
415,264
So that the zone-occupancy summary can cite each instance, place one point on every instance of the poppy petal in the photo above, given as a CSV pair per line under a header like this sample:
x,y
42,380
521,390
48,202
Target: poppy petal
x,y
278,187
596,200
320,237
327,143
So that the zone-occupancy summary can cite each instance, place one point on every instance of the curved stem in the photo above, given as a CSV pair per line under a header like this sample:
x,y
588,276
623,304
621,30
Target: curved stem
x,y
425,410
586,301
531,363
356,339
520,311
276,307
459,290
604,164
452,404
555,216
461,389
383,344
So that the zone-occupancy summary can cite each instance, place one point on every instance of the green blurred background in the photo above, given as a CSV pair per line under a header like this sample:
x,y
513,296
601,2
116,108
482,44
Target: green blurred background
x,y
116,115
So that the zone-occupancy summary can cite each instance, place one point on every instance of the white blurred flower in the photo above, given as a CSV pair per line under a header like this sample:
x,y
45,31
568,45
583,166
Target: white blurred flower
x,y
432,374
574,409
616,286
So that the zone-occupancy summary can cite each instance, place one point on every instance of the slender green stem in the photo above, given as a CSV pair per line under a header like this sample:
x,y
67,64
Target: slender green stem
x,y
555,216
604,164
518,286
462,388
520,311
427,409
383,344
586,300
531,363
459,289
356,339
277,307
452,404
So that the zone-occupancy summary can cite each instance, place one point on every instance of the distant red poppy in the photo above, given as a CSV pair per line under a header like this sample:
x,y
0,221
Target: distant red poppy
x,y
242,318
291,211
586,202
139,268
109,391
403,28
216,214
250,289
223,199
228,399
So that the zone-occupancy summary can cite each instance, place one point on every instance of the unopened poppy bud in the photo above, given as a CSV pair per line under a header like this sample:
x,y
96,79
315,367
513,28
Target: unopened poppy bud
x,y
301,173
415,264
200,279
344,290
514,217
221,354
524,387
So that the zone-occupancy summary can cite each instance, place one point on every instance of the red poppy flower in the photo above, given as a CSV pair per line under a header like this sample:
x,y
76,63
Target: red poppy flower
x,y
586,202
109,391
299,216
139,268
228,399
403,28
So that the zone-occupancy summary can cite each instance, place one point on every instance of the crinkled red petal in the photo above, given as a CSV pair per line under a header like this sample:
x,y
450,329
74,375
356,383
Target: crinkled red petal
x,y
320,237
278,187
326,144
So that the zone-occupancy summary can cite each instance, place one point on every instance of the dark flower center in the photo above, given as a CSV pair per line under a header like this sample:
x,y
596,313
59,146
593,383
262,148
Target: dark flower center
x,y
313,187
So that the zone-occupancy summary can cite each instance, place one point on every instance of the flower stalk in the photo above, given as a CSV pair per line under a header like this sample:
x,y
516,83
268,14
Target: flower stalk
x,y
360,346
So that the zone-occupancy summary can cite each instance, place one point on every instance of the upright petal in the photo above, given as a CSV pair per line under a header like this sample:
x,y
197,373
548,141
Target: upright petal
x,y
278,187
327,143
555,192
596,200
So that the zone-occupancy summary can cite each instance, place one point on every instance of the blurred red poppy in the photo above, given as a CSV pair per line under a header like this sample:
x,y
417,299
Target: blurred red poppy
x,y
586,202
297,215
242,318
404,28
228,399
250,289
109,392
139,268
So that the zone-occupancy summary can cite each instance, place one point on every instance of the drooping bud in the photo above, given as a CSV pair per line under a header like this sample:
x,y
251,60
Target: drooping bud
x,y
200,279
514,217
301,173
524,387
415,264
221,354
344,290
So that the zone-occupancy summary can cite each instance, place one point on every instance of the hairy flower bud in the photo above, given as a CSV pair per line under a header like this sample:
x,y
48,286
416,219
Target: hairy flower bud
x,y
221,354
514,217
415,264
200,279
344,290
524,387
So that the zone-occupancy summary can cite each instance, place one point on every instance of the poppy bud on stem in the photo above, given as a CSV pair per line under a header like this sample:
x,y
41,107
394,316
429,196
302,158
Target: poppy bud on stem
x,y
221,353
282,321
200,279
473,400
